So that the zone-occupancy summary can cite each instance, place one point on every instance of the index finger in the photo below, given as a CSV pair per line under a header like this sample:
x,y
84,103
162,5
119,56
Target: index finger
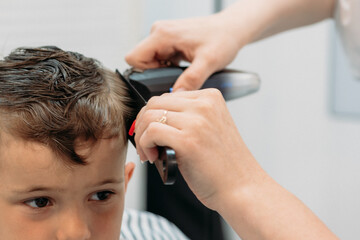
x,y
144,54
195,75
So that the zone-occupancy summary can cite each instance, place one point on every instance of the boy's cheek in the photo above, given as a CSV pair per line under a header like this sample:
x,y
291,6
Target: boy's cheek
x,y
107,225
15,224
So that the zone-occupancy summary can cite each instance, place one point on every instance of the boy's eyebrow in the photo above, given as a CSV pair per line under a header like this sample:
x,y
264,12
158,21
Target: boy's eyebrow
x,y
109,181
40,188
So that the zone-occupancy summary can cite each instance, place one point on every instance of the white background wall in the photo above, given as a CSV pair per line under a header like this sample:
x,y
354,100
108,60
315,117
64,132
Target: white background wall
x,y
288,124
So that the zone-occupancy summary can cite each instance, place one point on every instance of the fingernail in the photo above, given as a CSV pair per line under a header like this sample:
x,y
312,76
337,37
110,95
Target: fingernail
x,y
141,160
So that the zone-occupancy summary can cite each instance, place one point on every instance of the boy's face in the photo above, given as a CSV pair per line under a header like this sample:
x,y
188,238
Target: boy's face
x,y
42,198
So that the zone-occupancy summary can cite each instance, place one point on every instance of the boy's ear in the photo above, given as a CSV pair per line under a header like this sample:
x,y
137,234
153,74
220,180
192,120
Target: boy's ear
x,y
129,170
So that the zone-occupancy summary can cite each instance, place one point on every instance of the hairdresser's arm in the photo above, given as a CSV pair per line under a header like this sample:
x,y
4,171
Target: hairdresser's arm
x,y
212,42
219,168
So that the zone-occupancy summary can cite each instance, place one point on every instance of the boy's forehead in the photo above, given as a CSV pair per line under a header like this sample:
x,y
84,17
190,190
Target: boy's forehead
x,y
24,163
9,142
18,155
89,148
18,150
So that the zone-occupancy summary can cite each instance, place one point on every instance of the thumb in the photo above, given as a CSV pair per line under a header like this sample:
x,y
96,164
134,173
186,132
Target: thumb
x,y
194,76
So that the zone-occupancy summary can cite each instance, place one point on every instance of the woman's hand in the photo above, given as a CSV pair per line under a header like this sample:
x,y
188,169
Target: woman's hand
x,y
210,153
219,168
212,42
207,42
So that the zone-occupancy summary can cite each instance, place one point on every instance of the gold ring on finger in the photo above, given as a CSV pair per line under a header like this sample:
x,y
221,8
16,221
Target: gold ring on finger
x,y
163,118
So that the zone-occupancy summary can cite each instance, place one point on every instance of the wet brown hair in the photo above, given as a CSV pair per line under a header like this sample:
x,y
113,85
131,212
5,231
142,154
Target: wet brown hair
x,y
55,97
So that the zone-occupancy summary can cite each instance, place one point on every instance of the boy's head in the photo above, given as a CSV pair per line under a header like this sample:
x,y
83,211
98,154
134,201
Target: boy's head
x,y
62,146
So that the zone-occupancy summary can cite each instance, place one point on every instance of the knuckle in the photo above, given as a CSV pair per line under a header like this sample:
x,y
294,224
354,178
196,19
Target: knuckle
x,y
199,123
155,26
129,59
152,101
214,93
191,143
212,96
147,117
152,128
161,27
165,95
204,106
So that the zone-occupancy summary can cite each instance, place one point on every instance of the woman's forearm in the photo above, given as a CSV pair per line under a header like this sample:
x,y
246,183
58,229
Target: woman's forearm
x,y
258,19
262,209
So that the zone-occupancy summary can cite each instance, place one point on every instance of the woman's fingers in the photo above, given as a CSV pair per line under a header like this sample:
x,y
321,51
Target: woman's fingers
x,y
191,40
174,103
155,115
158,134
182,111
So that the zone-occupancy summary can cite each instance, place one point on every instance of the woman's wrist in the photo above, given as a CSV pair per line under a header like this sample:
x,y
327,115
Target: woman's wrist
x,y
252,20
241,193
247,20
262,209
239,184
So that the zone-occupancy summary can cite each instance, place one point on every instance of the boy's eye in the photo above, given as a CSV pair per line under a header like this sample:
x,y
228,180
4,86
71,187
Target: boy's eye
x,y
38,202
101,196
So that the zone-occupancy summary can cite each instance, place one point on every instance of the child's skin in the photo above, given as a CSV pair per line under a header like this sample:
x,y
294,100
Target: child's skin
x,y
43,196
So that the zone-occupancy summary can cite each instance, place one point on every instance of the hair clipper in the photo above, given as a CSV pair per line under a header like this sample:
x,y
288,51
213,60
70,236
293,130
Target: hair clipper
x,y
144,84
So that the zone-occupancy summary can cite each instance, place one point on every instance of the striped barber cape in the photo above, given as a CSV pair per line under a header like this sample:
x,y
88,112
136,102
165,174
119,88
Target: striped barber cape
x,y
139,225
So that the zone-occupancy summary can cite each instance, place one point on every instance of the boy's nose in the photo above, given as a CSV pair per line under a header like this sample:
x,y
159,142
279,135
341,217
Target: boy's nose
x,y
73,226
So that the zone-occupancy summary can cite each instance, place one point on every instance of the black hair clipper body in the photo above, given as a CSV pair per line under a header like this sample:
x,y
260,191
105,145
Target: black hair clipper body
x,y
153,82
166,164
